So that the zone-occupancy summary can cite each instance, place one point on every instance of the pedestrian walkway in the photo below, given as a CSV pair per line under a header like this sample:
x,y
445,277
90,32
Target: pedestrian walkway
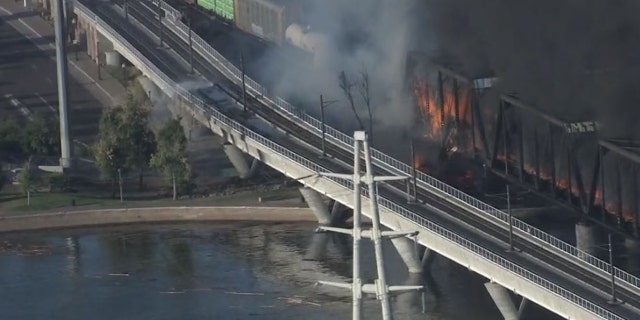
x,y
28,22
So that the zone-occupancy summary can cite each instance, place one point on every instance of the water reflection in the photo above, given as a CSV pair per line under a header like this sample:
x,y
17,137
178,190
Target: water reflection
x,y
230,271
73,256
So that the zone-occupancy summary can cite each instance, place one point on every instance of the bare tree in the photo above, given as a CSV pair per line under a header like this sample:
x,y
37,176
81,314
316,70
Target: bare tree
x,y
363,86
346,87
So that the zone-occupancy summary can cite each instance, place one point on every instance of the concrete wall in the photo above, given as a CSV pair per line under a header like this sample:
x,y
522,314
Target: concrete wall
x,y
152,215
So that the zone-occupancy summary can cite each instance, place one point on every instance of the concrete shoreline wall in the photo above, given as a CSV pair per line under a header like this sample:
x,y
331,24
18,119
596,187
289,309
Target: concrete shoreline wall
x,y
72,219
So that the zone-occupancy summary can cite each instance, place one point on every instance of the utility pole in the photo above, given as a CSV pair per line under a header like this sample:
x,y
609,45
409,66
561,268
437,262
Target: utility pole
x,y
244,86
412,195
379,287
126,10
614,299
61,64
120,184
189,17
160,20
324,104
510,219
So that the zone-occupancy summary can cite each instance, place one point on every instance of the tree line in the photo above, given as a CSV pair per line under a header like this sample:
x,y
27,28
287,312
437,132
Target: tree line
x,y
39,136
125,143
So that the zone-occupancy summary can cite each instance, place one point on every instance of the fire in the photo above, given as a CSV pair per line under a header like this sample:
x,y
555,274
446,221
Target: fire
x,y
439,112
419,163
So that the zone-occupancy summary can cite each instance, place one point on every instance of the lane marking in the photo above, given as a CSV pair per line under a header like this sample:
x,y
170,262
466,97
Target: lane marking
x,y
22,108
45,102
32,39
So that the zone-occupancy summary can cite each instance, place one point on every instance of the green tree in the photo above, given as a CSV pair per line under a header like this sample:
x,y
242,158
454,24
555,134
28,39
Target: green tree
x,y
141,142
11,148
3,179
42,137
171,155
28,180
110,149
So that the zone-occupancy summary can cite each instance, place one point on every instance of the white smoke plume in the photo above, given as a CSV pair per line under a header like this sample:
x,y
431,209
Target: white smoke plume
x,y
371,36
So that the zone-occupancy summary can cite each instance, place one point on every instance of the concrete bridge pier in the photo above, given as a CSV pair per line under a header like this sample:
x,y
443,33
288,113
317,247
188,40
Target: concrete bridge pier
x,y
586,237
339,213
153,92
502,298
317,205
407,251
113,58
428,256
411,302
237,158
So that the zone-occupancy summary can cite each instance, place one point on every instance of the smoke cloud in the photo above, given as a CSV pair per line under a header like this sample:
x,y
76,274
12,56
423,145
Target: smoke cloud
x,y
576,59
371,36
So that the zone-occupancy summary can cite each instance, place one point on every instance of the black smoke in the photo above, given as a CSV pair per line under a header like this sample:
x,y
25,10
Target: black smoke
x,y
575,59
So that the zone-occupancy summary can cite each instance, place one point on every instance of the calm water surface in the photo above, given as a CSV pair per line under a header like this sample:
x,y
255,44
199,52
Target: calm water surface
x,y
215,271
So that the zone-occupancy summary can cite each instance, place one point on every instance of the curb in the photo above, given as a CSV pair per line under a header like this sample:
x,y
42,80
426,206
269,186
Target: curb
x,y
103,217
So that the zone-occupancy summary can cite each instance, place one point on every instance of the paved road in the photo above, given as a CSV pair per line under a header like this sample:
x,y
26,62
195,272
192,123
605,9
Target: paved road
x,y
28,84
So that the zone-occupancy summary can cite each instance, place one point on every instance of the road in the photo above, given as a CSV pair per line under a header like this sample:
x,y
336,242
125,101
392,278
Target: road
x,y
28,84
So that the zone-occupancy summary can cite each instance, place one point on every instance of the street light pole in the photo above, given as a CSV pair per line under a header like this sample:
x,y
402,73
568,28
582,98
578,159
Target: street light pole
x,y
244,86
126,10
614,300
324,104
76,46
510,219
125,77
189,16
323,129
160,20
120,183
414,192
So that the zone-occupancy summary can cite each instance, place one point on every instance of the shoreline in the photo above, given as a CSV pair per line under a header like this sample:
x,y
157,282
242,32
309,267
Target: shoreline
x,y
107,217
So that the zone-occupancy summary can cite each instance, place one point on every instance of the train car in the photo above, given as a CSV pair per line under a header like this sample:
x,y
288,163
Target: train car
x,y
267,19
222,8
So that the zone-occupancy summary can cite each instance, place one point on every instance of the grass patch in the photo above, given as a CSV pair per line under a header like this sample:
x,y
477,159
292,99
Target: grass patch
x,y
51,201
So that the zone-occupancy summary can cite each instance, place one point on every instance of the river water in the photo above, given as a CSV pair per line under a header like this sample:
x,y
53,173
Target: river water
x,y
216,271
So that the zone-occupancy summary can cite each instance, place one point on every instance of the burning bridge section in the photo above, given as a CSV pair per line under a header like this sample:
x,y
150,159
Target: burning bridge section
x,y
449,132
463,120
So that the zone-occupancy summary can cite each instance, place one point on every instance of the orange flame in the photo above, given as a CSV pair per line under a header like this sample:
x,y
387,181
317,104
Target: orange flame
x,y
437,112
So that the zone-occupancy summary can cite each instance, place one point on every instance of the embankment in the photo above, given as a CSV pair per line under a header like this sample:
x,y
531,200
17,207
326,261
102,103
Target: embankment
x,y
103,217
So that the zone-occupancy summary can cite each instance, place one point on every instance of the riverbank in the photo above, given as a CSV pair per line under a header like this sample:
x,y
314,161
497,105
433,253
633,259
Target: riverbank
x,y
105,217
269,206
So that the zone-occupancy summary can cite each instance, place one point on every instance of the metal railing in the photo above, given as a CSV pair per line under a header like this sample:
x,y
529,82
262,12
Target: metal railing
x,y
387,162
274,148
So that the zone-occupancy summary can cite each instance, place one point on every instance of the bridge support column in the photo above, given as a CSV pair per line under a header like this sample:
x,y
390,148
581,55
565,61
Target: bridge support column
x,y
113,58
503,301
238,160
317,205
407,251
586,237
411,302
92,43
427,257
339,213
